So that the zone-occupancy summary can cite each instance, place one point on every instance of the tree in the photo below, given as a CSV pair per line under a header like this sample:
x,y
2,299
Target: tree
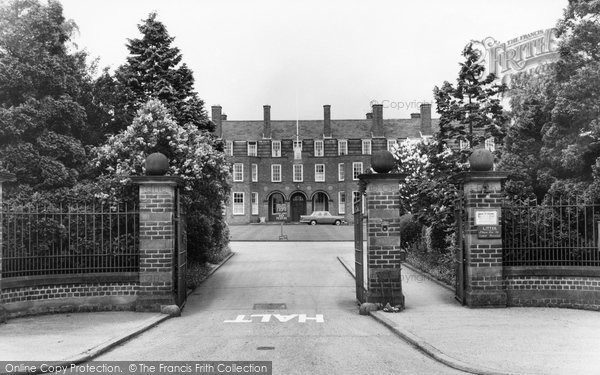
x,y
470,111
429,191
532,99
572,137
192,156
43,127
154,70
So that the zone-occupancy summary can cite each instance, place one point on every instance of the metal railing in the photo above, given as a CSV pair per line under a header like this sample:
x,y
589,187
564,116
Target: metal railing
x,y
561,232
69,239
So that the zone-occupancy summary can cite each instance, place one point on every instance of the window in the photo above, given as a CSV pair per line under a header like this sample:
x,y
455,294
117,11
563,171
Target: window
x,y
342,147
254,172
254,201
275,172
276,149
297,150
341,202
391,144
320,172
490,145
298,172
341,172
238,203
366,147
252,149
229,148
463,144
318,148
238,172
357,169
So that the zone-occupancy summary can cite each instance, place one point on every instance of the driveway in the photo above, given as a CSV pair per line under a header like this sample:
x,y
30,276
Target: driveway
x,y
291,303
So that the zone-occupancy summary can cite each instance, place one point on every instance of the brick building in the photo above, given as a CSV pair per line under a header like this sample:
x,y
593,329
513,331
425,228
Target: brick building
x,y
307,165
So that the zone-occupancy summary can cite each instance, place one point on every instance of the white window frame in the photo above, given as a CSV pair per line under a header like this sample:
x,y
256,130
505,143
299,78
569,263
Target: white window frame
x,y
254,172
276,149
252,148
341,205
341,172
237,207
354,170
229,148
391,143
463,144
366,147
254,202
301,171
340,143
273,168
297,146
490,144
240,172
319,176
319,148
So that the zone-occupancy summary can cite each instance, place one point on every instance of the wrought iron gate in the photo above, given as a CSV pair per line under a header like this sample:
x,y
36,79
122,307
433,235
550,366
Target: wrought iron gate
x,y
180,255
359,251
460,256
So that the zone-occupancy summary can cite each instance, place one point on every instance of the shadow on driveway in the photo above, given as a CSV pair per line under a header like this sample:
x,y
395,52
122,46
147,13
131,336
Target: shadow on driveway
x,y
294,232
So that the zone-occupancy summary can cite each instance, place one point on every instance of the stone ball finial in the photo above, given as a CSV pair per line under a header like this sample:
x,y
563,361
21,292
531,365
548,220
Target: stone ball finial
x,y
382,161
156,164
481,160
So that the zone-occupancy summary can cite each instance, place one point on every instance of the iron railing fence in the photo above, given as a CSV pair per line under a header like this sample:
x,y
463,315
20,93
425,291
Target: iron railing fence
x,y
69,239
559,232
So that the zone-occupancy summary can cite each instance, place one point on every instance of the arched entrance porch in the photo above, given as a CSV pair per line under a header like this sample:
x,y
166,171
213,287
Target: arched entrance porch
x,y
297,206
275,200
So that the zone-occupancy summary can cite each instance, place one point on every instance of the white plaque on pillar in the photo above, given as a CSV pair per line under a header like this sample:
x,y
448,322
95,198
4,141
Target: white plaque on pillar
x,y
486,217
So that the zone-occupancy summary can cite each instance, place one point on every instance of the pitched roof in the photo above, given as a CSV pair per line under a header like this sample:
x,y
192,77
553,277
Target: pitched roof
x,y
313,129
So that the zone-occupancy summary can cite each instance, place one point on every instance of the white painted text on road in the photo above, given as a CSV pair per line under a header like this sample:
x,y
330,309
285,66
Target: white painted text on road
x,y
266,318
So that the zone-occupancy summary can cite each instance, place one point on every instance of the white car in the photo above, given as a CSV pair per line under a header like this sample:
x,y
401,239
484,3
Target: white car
x,y
322,217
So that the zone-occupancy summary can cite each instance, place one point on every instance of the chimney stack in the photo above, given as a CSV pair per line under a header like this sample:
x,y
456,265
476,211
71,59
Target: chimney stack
x,y
326,120
267,121
370,116
426,119
377,126
216,119
223,117
415,115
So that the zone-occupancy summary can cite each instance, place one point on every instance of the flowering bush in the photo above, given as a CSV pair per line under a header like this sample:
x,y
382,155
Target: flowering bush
x,y
429,191
194,155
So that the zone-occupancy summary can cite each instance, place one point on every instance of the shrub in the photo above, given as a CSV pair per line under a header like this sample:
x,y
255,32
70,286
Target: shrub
x,y
193,155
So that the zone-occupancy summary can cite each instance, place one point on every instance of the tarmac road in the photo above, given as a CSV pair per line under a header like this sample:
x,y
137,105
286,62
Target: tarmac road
x,y
318,331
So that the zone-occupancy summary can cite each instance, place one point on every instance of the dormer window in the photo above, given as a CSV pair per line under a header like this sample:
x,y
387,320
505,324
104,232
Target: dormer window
x,y
319,148
342,147
276,149
366,147
252,149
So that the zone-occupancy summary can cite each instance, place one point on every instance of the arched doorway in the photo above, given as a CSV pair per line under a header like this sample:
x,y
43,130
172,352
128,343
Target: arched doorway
x,y
320,202
275,200
297,206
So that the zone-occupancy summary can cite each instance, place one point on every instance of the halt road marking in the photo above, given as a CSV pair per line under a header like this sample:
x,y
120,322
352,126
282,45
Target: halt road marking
x,y
266,318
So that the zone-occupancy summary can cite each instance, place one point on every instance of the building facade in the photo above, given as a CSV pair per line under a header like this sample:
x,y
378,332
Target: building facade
x,y
284,169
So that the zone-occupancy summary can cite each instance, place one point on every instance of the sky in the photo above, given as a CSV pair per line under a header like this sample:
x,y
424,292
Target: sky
x,y
297,55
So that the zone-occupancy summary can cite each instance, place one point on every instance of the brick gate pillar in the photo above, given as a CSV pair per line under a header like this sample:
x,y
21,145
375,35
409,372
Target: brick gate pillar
x,y
384,255
157,205
3,177
483,194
